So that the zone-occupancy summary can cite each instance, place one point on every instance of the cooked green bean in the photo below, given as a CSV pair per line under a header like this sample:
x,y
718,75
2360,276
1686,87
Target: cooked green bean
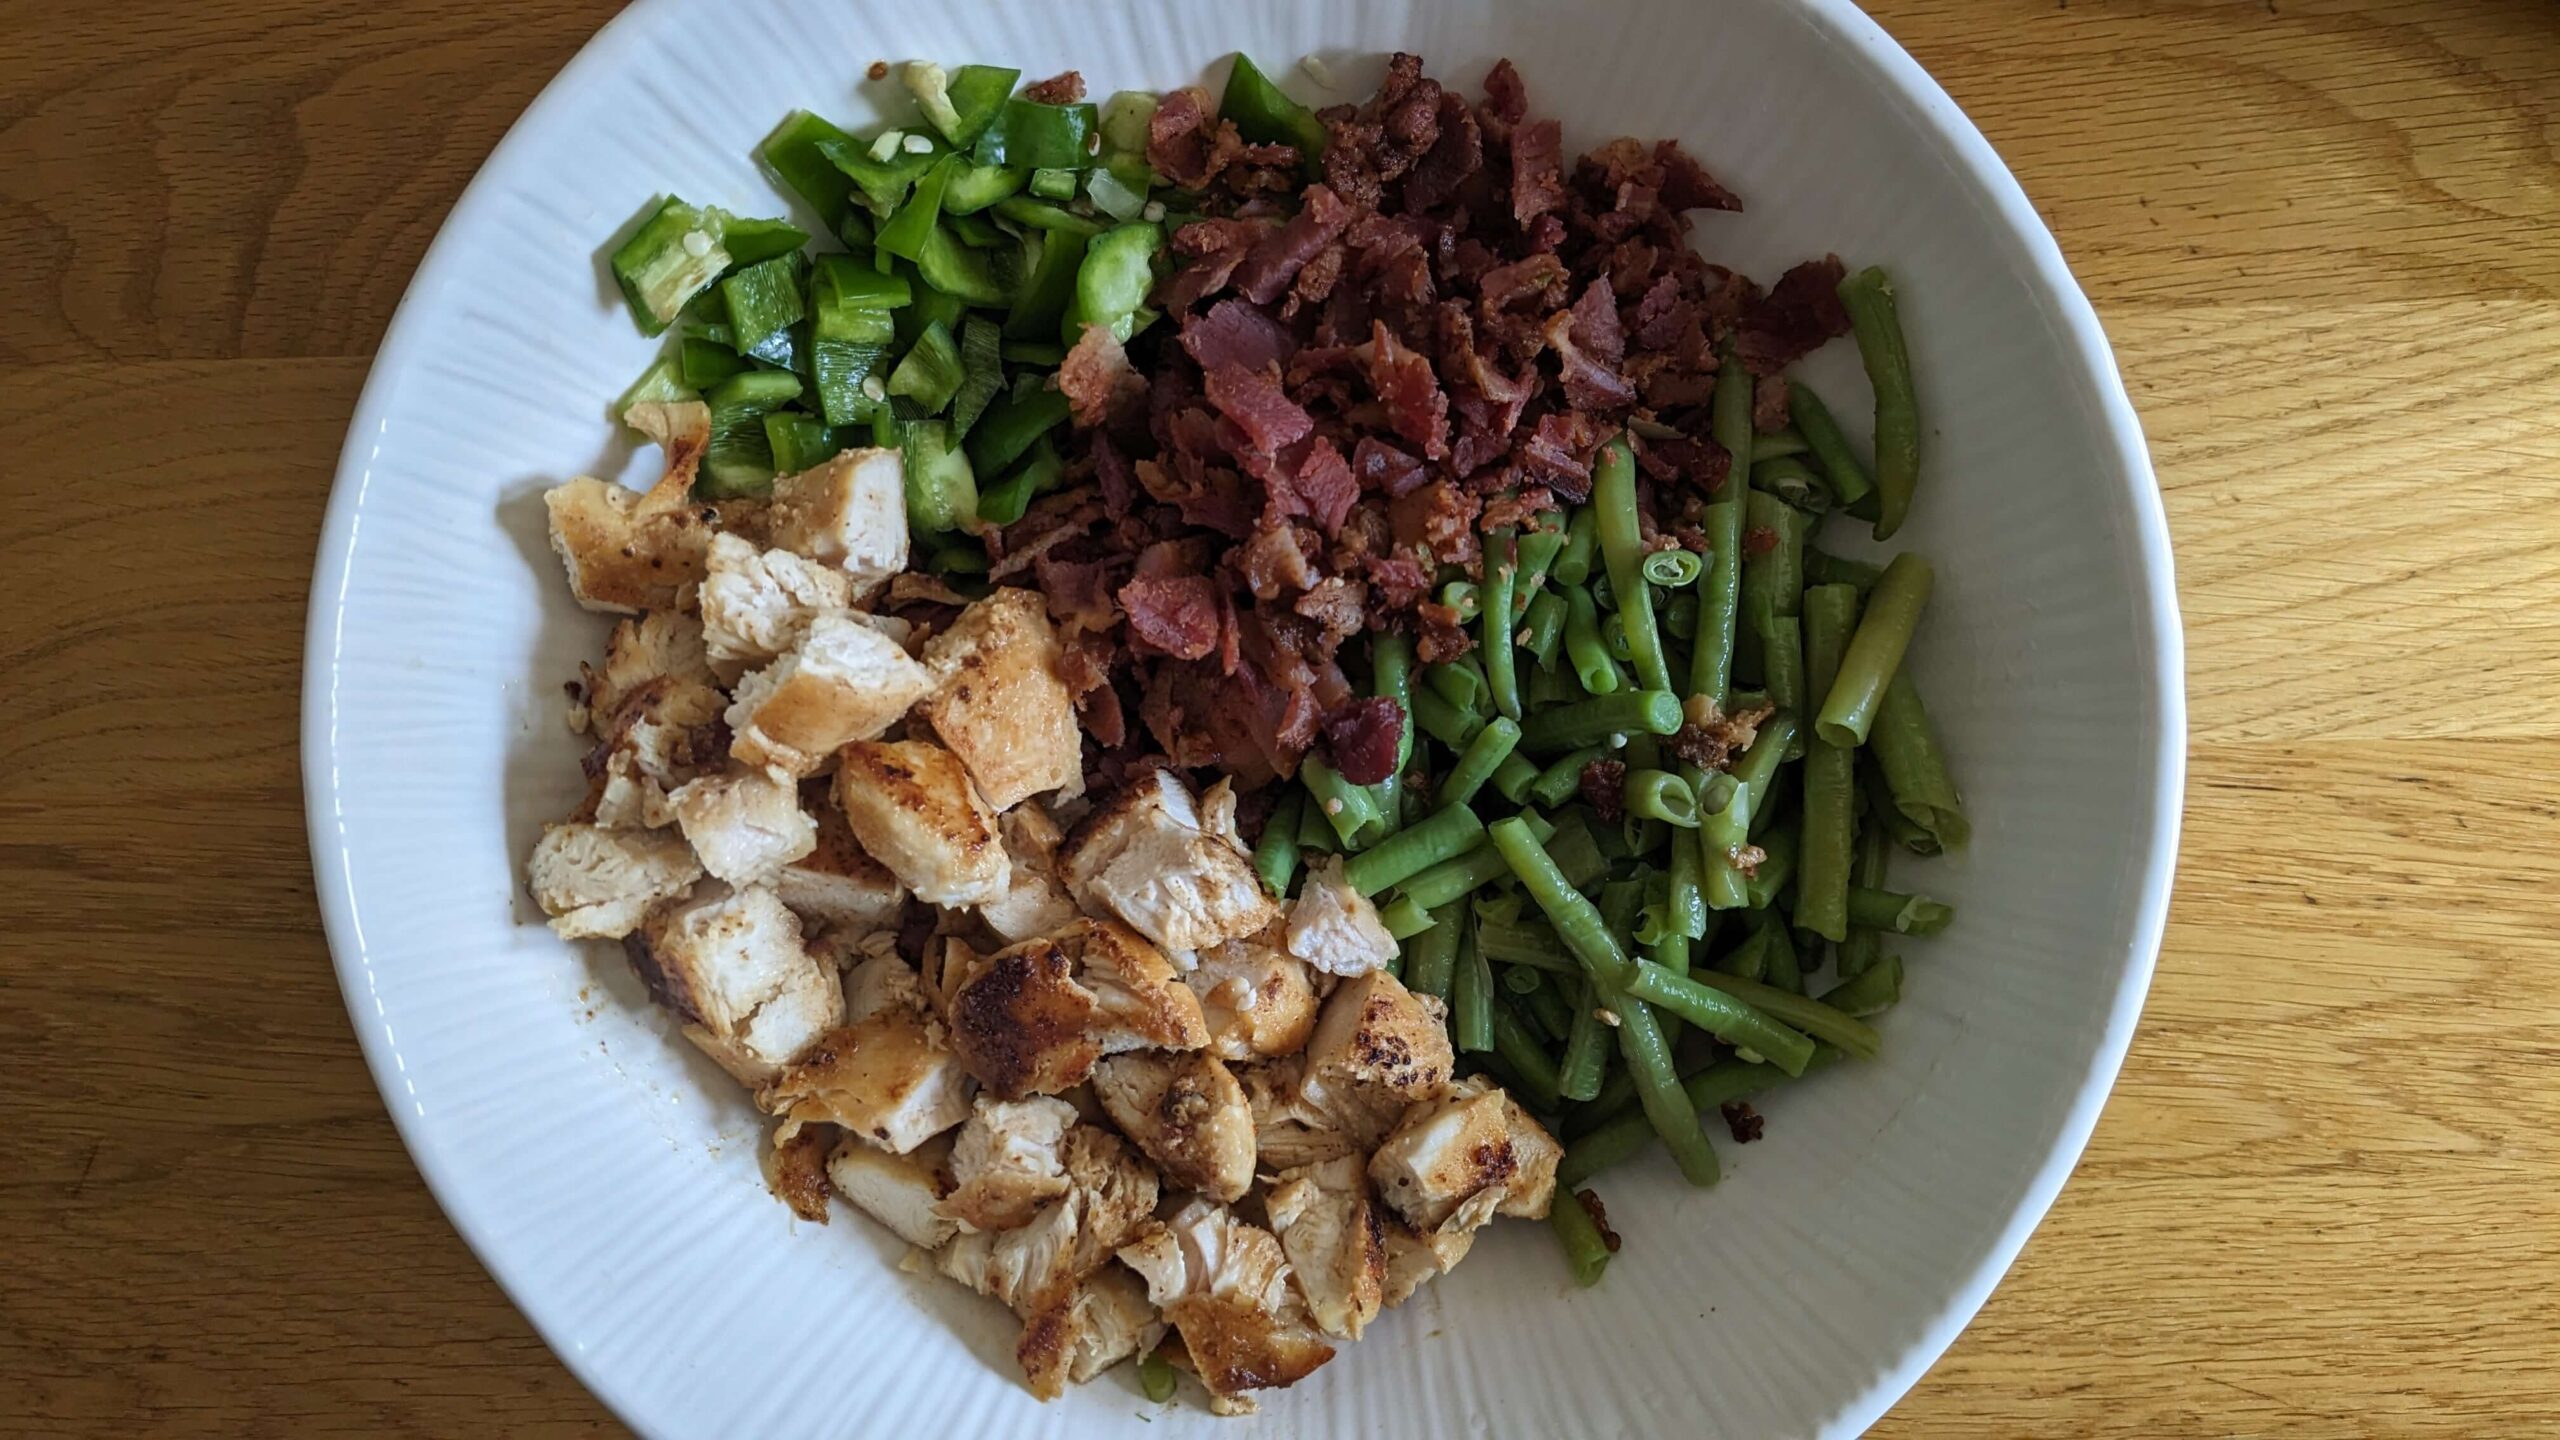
x,y
1581,544
1758,766
1156,1378
1577,852
1830,775
1601,720
1661,795
1798,1013
1772,557
1480,760
1403,918
1586,1049
1465,597
1553,1011
1315,831
1275,854
1749,959
1793,481
1785,970
1618,1134
1680,618
1821,567
1870,992
1864,948
1517,980
1513,777
1613,495
1451,831
1688,896
1452,880
1719,605
1523,942
1431,958
1442,721
1722,832
1527,1058
1391,676
1583,646
1542,627
1538,550
1586,1249
1915,770
1789,441
1762,887
1471,1004
1868,296
1875,651
1578,922
1501,661
1840,464
1351,809
1672,569
1459,684
1782,667
1563,776
1902,914
1718,1012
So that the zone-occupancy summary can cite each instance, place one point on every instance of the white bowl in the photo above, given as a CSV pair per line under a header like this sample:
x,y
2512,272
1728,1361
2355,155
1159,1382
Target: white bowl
x,y
607,1175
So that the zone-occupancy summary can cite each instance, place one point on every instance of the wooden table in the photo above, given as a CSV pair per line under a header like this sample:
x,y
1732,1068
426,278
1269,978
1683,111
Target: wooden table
x,y
2326,240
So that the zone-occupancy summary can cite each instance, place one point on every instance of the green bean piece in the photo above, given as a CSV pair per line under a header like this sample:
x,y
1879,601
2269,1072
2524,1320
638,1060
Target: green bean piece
x,y
1275,854
1830,774
1868,296
1821,567
1156,1378
1617,1097
1431,957
1750,959
1680,618
1867,868
1831,450
1772,568
1875,651
1875,990
1758,767
1619,1135
1793,481
1785,969
1514,775
1661,795
1577,852
1501,660
1687,896
1786,441
1613,496
1450,832
1315,832
1459,684
1583,647
1349,808
1518,981
1672,569
1391,676
1581,545
1553,1012
1538,551
1444,722
1478,762
1601,720
1112,282
1586,1050
1882,813
1915,769
1722,832
1779,845
1902,914
1586,1249
1577,921
1452,880
1403,918
1719,623
1782,667
1471,999
1527,1058
1542,628
1739,1023
1797,1013
1563,776
1465,597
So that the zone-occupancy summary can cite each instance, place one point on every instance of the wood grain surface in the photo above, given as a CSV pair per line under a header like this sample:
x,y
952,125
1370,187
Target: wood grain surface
x,y
2324,236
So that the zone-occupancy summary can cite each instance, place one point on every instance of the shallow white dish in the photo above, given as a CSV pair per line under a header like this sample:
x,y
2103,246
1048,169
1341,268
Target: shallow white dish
x,y
607,1175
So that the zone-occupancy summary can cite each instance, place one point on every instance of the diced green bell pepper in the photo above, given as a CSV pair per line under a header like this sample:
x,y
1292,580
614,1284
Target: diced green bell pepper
x,y
784,349
837,370
763,298
1038,474
1265,116
976,187
882,184
706,363
1034,136
844,281
981,371
799,442
906,231
665,380
1006,431
752,241
1113,281
931,305
675,255
738,461
1033,214
953,268
1044,297
959,103
791,153
1053,184
762,391
1124,121
931,373
1047,354
942,491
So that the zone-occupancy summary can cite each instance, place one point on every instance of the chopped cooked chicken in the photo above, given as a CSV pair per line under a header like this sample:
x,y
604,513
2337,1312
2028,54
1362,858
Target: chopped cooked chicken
x,y
596,883
757,604
730,964
1033,903
1456,1162
998,701
912,808
1377,1048
1224,1285
627,551
658,734
882,981
745,824
1006,1163
663,644
1336,1240
836,884
1186,1111
1258,999
1035,1017
1334,927
1103,1321
795,1170
899,1191
844,681
1157,857
1289,1133
850,512
1411,1260
1038,1267
886,1076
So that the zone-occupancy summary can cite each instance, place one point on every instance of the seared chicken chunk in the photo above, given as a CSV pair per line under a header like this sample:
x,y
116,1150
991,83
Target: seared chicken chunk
x,y
757,604
1224,1285
1033,903
1378,1048
912,808
1411,1260
596,883
1186,1111
661,645
899,1191
1258,999
844,681
730,964
850,512
795,1170
627,551
1336,1240
1455,1163
1035,1017
1288,1132
1334,927
1104,1320
745,824
836,884
998,702
659,733
886,1076
1157,857
1007,1163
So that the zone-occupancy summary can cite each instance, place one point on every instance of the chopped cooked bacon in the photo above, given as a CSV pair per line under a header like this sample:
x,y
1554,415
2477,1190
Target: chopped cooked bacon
x,y
1383,468
1769,405
1504,94
1232,332
1792,321
1174,615
1537,170
1438,637
1275,259
1438,519
1589,384
1185,144
1254,402
1064,89
1536,281
1403,381
1213,248
1099,382
1558,453
1324,486
1273,564
1363,736
1685,184
1603,786
1595,323
1456,152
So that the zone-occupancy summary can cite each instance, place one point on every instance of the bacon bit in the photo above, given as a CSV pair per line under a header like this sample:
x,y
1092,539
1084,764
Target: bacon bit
x,y
1604,789
1743,1121
1747,859
1064,89
1759,540
1364,735
1591,1206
